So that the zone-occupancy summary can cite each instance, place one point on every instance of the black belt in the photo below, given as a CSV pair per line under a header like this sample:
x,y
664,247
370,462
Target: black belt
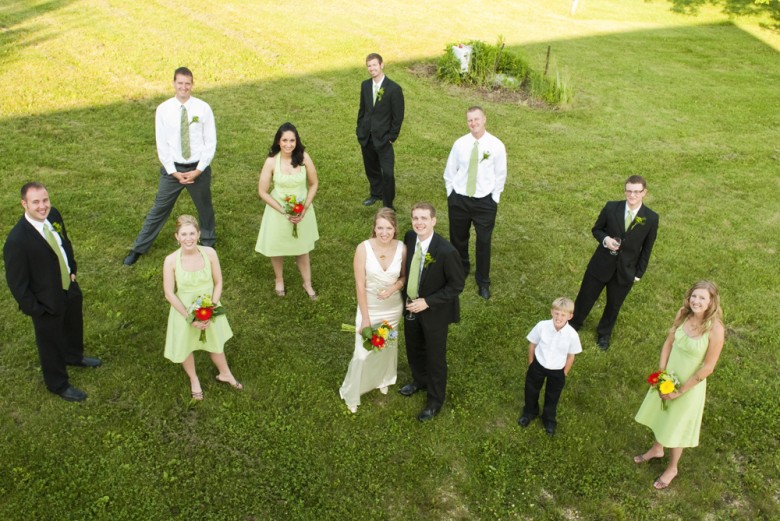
x,y
186,165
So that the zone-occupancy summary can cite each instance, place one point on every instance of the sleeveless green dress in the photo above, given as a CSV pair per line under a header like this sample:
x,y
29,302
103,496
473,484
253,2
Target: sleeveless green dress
x,y
276,232
679,424
181,338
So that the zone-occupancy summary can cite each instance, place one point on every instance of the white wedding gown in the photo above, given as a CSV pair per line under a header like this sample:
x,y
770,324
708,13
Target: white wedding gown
x,y
370,370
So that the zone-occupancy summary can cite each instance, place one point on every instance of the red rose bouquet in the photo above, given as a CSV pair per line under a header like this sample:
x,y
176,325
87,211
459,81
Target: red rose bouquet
x,y
203,309
293,207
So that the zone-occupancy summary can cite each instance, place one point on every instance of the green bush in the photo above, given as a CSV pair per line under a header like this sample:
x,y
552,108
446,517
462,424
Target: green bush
x,y
493,66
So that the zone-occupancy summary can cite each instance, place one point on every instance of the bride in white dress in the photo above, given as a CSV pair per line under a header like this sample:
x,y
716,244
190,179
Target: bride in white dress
x,y
379,277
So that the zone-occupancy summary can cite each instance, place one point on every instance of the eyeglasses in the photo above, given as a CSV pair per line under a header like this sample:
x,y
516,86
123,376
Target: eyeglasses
x,y
634,192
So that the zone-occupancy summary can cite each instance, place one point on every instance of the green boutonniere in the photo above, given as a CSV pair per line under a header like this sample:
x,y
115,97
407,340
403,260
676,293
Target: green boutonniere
x,y
486,155
638,221
428,260
57,227
195,119
380,93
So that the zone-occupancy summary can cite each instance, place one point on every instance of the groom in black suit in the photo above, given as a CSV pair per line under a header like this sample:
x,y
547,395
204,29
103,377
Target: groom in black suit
x,y
434,280
41,272
626,232
379,122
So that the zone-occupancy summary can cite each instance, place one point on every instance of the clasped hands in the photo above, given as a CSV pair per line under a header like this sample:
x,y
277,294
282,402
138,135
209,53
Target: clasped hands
x,y
201,324
187,178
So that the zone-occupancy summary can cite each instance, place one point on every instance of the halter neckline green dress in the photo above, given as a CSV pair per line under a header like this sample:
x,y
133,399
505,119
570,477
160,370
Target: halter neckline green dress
x,y
276,232
181,338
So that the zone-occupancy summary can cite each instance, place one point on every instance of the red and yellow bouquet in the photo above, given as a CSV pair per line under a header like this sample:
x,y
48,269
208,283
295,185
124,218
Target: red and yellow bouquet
x,y
293,207
665,382
376,338
203,309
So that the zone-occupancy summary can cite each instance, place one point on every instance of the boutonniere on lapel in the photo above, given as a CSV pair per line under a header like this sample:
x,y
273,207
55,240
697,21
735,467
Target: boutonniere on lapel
x,y
486,155
195,119
428,260
57,227
379,94
638,221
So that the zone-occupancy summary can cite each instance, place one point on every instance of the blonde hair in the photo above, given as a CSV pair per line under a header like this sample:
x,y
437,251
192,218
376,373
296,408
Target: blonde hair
x,y
388,214
563,304
184,220
713,313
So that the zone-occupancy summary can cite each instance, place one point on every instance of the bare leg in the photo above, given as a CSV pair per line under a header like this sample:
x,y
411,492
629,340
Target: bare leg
x,y
304,266
671,470
278,265
189,367
656,451
224,375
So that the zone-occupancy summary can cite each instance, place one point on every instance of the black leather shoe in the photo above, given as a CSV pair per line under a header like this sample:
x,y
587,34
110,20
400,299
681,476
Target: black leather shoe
x,y
72,394
131,258
428,414
524,421
89,361
371,200
484,292
549,429
410,389
603,343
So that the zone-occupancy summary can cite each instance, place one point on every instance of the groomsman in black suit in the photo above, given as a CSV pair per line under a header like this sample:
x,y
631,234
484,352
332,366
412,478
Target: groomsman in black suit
x,y
41,272
434,281
626,232
379,122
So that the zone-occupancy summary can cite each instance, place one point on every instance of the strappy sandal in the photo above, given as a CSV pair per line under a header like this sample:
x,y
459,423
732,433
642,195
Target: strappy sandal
x,y
641,458
313,295
237,385
197,395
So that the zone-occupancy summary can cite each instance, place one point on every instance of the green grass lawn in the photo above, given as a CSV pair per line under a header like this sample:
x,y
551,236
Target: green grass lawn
x,y
690,102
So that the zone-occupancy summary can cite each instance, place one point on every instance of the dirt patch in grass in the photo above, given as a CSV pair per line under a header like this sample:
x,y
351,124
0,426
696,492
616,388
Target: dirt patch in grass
x,y
497,95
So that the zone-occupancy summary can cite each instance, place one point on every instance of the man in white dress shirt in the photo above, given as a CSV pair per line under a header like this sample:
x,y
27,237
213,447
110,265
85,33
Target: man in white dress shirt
x,y
186,143
474,177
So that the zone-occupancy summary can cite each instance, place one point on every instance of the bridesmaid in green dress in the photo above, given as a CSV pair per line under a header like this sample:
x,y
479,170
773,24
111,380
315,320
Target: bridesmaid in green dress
x,y
188,273
293,174
691,350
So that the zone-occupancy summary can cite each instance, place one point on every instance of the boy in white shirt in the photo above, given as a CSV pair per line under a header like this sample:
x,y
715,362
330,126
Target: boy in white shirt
x,y
553,344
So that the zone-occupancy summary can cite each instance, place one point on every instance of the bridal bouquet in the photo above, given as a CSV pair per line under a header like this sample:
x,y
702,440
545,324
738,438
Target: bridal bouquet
x,y
203,309
376,338
665,382
293,207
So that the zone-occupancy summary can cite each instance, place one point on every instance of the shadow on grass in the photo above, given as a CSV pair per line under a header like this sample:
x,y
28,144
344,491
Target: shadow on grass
x,y
687,107
17,12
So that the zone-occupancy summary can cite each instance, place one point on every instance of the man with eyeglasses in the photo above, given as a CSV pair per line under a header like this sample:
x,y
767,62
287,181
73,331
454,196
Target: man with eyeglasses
x,y
626,232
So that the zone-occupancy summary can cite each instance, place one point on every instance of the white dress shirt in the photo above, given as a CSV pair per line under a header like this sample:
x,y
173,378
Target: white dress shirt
x,y
38,225
491,166
203,133
553,346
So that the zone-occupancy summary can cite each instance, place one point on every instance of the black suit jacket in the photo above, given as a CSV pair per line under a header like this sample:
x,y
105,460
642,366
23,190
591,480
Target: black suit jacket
x,y
635,250
441,282
381,122
32,268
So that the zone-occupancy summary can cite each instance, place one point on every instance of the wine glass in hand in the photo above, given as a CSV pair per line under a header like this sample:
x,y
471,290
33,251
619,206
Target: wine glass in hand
x,y
618,240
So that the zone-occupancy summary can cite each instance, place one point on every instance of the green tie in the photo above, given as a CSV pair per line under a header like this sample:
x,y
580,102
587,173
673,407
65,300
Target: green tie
x,y
471,181
414,273
375,89
629,219
56,247
185,133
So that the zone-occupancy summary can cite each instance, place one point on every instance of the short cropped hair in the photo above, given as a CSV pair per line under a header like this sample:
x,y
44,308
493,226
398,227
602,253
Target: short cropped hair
x,y
184,71
374,56
636,180
422,205
30,186
563,304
